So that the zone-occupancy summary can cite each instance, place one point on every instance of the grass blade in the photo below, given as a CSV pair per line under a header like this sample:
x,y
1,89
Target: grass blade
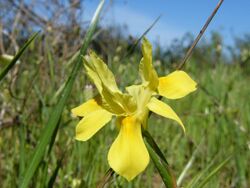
x,y
159,161
107,178
55,173
162,167
133,47
17,56
57,110
22,157
213,172
51,65
153,144
194,181
188,165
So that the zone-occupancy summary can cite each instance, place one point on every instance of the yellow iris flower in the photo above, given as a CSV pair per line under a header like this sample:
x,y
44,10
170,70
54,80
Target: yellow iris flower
x,y
128,155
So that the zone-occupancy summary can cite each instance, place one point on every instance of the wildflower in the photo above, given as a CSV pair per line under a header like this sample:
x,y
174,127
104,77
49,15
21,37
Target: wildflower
x,y
128,155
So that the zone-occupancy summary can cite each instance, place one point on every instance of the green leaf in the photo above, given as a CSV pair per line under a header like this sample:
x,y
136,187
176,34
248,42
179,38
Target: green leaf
x,y
162,167
17,56
55,173
47,133
153,144
159,161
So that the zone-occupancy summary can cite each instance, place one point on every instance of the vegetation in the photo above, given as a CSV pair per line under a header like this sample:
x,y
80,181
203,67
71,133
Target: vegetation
x,y
216,116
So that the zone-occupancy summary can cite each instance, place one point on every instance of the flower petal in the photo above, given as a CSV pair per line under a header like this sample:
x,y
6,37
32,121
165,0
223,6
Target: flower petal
x,y
128,155
87,107
92,123
176,85
146,69
99,72
114,100
142,95
164,110
118,103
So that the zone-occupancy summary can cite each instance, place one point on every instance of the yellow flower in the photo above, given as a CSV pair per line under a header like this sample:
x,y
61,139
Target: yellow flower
x,y
128,155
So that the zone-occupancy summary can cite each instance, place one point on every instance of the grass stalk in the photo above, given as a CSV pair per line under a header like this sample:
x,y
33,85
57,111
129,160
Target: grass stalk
x,y
162,167
8,67
57,110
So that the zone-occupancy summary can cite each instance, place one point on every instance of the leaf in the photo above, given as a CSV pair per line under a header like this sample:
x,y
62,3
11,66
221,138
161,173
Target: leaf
x,y
153,144
159,161
55,173
47,133
17,56
163,168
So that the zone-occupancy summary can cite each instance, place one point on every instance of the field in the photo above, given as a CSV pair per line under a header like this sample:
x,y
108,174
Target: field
x,y
216,117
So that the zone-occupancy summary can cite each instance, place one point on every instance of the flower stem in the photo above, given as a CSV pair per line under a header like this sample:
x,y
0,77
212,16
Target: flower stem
x,y
162,167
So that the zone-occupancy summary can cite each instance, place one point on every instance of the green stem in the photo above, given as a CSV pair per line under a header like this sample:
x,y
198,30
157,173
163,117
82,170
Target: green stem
x,y
162,167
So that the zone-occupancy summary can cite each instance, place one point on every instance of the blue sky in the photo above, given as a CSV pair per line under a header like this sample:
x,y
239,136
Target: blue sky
x,y
178,17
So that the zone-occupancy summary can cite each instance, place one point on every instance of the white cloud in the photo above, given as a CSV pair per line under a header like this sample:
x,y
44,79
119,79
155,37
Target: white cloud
x,y
138,22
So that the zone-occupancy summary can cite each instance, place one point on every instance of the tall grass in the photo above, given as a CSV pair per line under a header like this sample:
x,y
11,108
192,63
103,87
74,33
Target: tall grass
x,y
222,129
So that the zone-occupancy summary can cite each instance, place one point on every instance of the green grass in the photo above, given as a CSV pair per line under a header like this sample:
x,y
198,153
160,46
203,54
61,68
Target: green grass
x,y
221,129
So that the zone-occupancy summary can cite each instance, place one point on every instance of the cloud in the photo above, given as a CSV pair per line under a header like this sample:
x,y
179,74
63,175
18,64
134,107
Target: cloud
x,y
137,22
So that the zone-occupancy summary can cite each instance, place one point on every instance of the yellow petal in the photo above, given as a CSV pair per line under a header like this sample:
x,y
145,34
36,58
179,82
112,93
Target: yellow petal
x,y
164,110
128,155
146,69
176,85
92,123
90,70
118,103
142,96
87,107
114,100
99,72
